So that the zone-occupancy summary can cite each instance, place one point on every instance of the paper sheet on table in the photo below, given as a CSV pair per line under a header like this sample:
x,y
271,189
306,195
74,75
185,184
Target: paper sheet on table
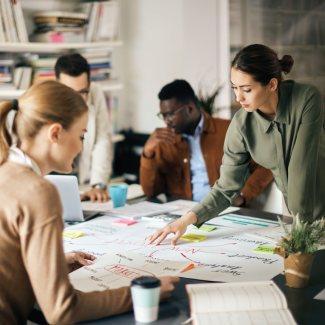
x,y
88,206
118,268
226,255
185,206
134,191
321,295
269,233
242,222
139,210
272,234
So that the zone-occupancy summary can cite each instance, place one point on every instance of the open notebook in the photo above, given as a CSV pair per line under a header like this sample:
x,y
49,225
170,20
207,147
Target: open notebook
x,y
238,303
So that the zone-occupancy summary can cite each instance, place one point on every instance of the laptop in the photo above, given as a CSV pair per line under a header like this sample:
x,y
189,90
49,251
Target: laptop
x,y
67,187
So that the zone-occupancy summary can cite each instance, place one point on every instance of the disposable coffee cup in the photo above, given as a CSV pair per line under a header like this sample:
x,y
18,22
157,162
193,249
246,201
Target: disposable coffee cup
x,y
118,195
145,295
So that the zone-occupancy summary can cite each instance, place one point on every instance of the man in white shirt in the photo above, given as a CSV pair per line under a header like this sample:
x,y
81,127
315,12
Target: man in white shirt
x,y
95,162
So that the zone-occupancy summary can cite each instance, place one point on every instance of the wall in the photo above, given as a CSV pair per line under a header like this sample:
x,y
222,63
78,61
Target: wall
x,y
152,33
165,40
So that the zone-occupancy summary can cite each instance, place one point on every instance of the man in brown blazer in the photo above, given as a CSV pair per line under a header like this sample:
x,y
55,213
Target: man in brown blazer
x,y
184,159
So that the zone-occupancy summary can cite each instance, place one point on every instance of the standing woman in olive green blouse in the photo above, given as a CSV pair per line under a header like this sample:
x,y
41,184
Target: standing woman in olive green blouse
x,y
281,126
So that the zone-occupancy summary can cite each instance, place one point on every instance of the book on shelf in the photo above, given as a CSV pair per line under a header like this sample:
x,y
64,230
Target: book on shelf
x,y
26,78
105,65
107,28
59,27
17,76
6,67
103,20
43,64
22,77
60,16
95,53
13,28
2,31
238,303
55,37
20,22
6,59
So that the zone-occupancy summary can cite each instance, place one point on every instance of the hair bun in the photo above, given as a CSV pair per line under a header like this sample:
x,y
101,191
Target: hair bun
x,y
286,63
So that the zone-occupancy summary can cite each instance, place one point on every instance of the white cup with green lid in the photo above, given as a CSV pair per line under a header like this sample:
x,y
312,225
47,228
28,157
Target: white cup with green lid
x,y
145,295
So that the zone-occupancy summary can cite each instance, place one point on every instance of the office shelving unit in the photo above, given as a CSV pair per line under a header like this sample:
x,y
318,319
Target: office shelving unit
x,y
31,6
55,48
295,27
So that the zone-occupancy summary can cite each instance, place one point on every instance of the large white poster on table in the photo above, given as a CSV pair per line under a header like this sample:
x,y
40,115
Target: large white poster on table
x,y
225,255
118,268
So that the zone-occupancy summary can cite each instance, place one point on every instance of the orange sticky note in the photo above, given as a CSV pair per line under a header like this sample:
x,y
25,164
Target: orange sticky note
x,y
191,266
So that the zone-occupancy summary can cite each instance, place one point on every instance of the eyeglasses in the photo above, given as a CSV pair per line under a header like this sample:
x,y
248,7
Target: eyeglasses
x,y
170,116
83,92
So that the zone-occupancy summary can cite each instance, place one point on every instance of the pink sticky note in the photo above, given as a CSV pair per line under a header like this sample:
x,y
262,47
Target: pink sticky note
x,y
123,222
56,38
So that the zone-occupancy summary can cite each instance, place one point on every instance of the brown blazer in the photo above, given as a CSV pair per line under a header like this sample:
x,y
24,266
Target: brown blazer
x,y
170,168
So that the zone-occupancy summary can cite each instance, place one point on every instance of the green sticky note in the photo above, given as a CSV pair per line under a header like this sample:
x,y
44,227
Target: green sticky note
x,y
72,234
192,237
205,228
264,249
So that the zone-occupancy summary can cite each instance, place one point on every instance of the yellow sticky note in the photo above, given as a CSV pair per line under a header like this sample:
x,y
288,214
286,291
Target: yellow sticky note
x,y
195,238
264,249
205,228
72,234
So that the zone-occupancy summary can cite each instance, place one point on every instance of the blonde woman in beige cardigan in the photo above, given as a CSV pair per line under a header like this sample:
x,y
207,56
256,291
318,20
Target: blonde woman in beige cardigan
x,y
50,124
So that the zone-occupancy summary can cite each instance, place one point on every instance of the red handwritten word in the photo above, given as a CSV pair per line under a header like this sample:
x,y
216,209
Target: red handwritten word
x,y
126,271
190,259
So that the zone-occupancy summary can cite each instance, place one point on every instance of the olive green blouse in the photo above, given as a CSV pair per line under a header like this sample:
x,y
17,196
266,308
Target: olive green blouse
x,y
292,146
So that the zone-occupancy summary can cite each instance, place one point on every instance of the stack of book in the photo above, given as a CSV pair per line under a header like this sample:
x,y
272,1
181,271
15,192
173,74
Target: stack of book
x,y
103,20
12,23
13,78
99,61
43,66
59,27
100,64
6,64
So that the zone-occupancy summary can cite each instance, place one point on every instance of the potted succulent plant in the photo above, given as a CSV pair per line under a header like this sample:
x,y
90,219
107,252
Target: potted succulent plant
x,y
298,248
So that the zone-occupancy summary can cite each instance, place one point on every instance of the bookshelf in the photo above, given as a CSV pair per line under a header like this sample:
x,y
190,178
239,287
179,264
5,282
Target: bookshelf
x,y
22,50
295,27
34,47
16,93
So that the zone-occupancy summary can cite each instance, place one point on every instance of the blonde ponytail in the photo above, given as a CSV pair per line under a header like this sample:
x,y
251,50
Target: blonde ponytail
x,y
5,138
44,103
